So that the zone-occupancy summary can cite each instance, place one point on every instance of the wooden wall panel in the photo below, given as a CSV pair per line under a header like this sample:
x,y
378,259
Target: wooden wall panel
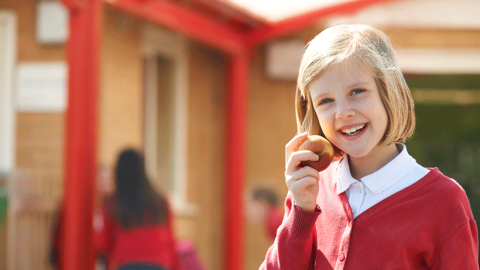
x,y
121,115
40,139
39,136
28,47
206,148
271,124
434,38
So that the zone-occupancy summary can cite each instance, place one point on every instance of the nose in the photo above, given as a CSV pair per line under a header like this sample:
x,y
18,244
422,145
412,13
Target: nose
x,y
344,110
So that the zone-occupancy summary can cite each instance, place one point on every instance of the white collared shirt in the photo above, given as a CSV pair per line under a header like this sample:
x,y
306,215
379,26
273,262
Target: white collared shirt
x,y
396,175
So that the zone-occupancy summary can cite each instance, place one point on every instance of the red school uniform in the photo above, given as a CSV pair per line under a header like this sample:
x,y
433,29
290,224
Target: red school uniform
x,y
428,225
153,244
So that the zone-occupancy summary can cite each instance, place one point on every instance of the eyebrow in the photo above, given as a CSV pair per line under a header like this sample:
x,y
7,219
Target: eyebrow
x,y
357,84
353,85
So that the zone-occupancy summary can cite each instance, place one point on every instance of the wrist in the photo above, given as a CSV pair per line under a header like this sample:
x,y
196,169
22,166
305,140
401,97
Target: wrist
x,y
301,223
307,208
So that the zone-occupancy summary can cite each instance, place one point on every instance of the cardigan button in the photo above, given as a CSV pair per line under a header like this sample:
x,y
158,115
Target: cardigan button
x,y
341,257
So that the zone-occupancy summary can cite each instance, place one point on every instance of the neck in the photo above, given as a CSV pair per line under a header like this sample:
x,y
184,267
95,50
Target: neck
x,y
373,161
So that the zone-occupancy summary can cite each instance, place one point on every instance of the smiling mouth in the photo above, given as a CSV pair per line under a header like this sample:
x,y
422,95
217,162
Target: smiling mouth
x,y
354,130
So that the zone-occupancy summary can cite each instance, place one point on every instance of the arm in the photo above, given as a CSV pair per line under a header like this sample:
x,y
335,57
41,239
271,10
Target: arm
x,y
104,233
460,250
294,246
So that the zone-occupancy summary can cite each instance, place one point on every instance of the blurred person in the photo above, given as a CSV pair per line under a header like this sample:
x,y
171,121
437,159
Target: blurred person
x,y
262,207
54,252
104,188
374,207
188,258
105,182
136,230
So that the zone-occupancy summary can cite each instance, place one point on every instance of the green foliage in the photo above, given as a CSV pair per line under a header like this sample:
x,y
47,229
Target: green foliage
x,y
447,136
3,199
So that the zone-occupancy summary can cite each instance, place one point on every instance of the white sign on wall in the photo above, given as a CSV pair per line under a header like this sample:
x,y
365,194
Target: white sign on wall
x,y
52,22
42,87
283,59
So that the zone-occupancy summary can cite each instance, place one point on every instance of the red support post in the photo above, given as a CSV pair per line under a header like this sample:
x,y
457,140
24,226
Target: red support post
x,y
83,56
236,160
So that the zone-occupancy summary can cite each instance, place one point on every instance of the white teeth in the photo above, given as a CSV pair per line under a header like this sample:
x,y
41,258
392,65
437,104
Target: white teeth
x,y
352,130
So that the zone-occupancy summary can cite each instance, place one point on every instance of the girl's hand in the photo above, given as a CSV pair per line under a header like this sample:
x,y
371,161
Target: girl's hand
x,y
302,182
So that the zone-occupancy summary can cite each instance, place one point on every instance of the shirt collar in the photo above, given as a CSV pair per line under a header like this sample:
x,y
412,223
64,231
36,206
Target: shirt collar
x,y
344,178
380,180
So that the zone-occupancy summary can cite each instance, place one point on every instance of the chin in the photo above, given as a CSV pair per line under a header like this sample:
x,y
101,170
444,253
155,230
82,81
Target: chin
x,y
357,153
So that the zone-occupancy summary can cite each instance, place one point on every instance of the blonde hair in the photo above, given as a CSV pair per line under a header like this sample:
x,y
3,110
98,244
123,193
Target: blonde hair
x,y
371,48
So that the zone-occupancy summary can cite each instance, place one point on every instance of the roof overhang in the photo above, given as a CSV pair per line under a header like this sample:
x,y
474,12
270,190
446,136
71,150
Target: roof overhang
x,y
227,27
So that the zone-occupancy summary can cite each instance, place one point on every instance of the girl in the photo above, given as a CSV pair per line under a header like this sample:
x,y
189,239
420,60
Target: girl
x,y
137,231
375,208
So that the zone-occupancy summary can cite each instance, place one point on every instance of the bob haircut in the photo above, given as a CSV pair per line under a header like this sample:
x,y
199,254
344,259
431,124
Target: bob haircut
x,y
372,49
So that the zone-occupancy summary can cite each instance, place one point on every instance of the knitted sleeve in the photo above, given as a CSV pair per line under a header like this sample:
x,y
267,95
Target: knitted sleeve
x,y
460,250
294,247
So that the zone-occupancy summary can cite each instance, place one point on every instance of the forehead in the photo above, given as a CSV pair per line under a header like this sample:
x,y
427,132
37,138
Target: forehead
x,y
342,75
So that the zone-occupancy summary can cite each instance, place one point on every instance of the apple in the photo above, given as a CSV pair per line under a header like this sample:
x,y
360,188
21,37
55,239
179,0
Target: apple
x,y
320,146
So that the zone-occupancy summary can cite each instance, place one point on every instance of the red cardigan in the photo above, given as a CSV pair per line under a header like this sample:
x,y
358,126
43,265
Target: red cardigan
x,y
152,244
273,221
428,225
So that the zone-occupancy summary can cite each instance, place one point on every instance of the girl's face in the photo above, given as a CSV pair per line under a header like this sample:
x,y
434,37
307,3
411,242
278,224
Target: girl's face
x,y
349,108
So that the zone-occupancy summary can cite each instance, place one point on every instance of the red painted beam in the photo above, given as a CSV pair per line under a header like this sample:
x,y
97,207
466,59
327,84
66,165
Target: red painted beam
x,y
292,25
185,21
83,55
236,160
233,12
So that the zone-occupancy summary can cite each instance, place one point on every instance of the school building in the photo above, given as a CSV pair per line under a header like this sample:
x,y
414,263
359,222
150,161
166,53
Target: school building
x,y
206,89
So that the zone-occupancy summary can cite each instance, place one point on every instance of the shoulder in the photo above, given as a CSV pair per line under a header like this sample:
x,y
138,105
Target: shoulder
x,y
446,195
444,185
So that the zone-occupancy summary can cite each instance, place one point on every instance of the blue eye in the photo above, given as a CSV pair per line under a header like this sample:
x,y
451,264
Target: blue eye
x,y
357,91
325,101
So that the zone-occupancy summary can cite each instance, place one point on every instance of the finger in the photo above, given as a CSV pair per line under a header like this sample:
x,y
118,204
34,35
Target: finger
x,y
297,157
293,144
299,186
301,173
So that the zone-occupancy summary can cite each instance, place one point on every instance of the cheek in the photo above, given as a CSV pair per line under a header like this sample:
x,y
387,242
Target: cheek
x,y
381,114
326,123
254,211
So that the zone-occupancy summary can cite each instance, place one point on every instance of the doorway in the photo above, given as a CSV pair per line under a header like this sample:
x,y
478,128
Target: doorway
x,y
166,113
